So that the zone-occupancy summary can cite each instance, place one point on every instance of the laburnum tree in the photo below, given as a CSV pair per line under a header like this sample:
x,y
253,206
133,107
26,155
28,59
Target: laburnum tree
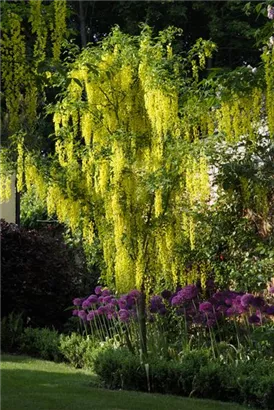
x,y
32,38
130,166
130,162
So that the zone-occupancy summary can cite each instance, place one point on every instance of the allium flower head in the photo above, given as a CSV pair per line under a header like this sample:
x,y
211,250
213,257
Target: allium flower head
x,y
98,290
101,310
75,312
77,301
163,310
86,304
205,307
106,292
130,301
156,304
246,300
189,292
82,314
134,293
176,300
123,315
107,299
271,290
91,315
93,299
122,302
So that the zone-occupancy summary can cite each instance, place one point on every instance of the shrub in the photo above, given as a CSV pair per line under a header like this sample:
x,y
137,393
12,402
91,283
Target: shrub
x,y
250,383
121,369
118,368
77,350
39,273
11,331
44,343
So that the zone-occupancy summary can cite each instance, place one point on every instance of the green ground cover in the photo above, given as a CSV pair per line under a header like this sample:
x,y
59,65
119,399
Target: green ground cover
x,y
29,384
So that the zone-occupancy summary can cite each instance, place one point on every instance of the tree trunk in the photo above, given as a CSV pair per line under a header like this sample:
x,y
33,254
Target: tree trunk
x,y
142,323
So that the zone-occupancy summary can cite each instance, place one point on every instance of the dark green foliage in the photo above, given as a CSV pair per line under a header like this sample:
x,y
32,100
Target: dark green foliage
x,y
11,331
43,343
40,275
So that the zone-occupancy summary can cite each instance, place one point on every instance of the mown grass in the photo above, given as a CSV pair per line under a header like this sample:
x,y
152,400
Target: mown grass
x,y
31,384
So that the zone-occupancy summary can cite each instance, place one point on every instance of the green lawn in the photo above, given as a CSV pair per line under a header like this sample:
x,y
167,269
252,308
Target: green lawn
x,y
31,384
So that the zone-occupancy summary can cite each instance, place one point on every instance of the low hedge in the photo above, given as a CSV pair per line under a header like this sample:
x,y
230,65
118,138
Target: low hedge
x,y
250,383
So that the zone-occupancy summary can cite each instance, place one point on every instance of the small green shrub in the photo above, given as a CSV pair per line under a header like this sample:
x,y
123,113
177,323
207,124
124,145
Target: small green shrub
x,y
78,350
44,343
118,368
11,331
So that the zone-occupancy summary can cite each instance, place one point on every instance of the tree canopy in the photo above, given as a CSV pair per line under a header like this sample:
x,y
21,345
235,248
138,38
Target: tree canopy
x,y
137,127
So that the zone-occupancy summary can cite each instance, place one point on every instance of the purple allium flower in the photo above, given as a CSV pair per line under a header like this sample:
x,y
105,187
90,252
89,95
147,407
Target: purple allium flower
x,y
156,302
210,321
77,301
106,292
130,301
270,310
205,307
254,319
86,304
222,309
123,315
98,290
93,299
82,314
101,310
271,290
176,300
247,300
134,293
232,311
107,299
109,308
114,301
122,302
101,299
270,12
163,310
166,294
75,312
91,315
189,292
